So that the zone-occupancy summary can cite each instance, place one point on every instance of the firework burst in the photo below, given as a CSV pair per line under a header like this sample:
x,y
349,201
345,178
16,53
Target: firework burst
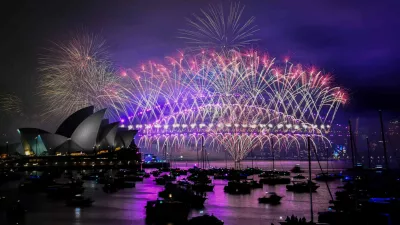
x,y
217,29
77,74
11,104
237,101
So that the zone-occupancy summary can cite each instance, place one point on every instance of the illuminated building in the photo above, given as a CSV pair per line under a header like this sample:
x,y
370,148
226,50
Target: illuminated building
x,y
82,133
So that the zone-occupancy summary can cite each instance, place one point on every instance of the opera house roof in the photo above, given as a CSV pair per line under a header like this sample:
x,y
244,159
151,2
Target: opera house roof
x,y
83,131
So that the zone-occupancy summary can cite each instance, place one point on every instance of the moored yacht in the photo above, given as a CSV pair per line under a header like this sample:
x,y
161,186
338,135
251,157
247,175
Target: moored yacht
x,y
270,198
302,187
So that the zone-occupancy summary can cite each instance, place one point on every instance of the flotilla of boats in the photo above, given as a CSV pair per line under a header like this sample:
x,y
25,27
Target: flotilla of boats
x,y
182,194
190,192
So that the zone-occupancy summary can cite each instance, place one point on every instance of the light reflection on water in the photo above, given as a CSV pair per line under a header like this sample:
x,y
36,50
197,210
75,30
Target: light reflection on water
x,y
127,206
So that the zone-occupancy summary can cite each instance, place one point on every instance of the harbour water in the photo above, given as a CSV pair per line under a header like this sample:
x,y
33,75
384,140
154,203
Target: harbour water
x,y
127,206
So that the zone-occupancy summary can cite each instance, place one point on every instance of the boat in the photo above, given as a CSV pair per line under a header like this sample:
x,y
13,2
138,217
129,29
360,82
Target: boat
x,y
325,177
181,194
299,177
338,175
164,179
122,183
200,178
132,178
79,201
91,176
130,175
194,170
110,188
183,172
160,181
237,176
205,219
252,171
297,169
275,180
156,173
164,169
254,184
270,198
282,173
104,180
236,187
184,182
202,187
177,172
166,211
217,176
230,175
268,173
63,191
140,172
302,186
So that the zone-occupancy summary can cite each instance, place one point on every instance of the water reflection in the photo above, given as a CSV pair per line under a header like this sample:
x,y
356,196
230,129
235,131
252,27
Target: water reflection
x,y
128,206
77,213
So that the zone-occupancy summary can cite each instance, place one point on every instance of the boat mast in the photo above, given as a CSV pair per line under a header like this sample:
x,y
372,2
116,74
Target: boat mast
x,y
327,160
252,159
309,178
369,157
273,155
383,140
203,153
171,158
198,160
320,167
226,159
164,155
351,144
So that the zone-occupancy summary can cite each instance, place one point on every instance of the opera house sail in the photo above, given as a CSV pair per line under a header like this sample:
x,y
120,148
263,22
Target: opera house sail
x,y
84,132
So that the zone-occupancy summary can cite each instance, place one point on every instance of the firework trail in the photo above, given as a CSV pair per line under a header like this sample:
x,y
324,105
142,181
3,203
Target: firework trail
x,y
11,104
217,29
236,100
76,74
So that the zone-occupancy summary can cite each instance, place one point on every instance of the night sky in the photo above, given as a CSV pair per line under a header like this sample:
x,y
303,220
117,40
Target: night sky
x,y
357,41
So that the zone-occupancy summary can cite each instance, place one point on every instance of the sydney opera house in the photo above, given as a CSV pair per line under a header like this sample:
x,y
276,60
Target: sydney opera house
x,y
83,133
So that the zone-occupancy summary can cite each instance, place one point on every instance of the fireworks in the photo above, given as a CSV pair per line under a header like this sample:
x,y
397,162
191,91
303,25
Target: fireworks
x,y
77,74
238,101
220,30
11,104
